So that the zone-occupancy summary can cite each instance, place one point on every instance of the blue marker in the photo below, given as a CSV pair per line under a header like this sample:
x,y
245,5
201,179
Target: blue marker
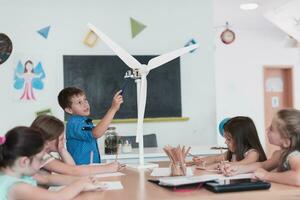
x,y
124,86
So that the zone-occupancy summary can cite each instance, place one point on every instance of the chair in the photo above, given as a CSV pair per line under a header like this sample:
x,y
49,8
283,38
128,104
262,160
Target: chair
x,y
149,140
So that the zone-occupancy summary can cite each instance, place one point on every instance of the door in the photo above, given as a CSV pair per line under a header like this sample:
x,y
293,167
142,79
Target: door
x,y
278,94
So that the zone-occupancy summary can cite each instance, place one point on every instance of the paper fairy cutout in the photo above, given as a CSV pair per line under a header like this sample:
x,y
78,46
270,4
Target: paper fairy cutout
x,y
29,78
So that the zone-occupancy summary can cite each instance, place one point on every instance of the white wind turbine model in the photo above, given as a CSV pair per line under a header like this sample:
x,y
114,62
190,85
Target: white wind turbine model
x,y
139,72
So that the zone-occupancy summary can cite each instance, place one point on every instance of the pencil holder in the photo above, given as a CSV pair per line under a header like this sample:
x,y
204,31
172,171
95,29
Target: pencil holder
x,y
178,169
177,157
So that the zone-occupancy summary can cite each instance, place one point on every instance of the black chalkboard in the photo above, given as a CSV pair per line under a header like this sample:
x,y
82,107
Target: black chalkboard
x,y
101,76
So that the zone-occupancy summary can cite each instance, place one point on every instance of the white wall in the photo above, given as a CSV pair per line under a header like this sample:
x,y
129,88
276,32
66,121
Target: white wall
x,y
170,24
239,74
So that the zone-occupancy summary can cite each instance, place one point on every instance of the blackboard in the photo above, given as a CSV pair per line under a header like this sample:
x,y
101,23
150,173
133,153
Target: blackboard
x,y
101,76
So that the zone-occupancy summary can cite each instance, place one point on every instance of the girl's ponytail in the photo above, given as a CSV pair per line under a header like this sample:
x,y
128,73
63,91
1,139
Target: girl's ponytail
x,y
1,154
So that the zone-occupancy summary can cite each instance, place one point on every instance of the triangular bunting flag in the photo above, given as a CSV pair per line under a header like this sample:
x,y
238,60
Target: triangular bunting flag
x,y
44,32
136,27
192,41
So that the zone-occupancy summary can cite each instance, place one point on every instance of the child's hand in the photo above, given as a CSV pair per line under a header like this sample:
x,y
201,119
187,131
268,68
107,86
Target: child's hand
x,y
229,170
91,183
115,167
222,166
260,174
117,101
199,161
61,143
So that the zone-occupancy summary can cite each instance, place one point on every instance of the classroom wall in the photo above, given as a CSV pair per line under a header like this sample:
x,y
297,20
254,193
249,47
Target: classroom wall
x,y
170,24
239,73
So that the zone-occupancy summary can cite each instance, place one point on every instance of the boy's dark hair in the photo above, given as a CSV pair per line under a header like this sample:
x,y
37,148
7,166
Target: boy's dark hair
x,y
20,141
244,134
50,127
64,96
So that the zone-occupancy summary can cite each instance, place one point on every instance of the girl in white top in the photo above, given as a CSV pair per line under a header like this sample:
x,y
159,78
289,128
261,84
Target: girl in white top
x,y
53,131
284,132
243,145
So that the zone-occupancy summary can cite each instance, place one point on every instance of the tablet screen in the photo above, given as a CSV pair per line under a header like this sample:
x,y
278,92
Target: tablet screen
x,y
232,181
235,185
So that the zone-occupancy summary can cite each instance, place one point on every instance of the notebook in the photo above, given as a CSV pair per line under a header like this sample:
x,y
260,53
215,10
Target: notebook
x,y
186,180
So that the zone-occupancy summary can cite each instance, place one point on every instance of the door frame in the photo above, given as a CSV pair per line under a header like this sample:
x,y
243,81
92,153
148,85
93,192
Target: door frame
x,y
291,92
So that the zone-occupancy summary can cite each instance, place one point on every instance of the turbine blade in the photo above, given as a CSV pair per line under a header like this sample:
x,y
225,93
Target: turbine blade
x,y
162,59
141,108
124,55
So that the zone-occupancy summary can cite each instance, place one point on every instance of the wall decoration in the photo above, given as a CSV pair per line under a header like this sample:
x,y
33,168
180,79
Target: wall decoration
x,y
44,112
191,42
44,32
90,39
274,84
29,78
136,27
227,36
5,47
275,102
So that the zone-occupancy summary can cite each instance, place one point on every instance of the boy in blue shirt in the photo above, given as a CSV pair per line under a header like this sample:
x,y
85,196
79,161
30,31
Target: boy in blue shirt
x,y
80,132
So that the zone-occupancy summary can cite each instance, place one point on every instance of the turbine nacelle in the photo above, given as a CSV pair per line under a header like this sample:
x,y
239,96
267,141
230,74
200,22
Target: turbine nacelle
x,y
137,73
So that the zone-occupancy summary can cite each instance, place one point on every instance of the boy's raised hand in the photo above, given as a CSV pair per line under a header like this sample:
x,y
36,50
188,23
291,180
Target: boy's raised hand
x,y
117,101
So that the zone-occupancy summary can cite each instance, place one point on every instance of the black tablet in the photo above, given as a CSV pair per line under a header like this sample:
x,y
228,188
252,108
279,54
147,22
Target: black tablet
x,y
236,185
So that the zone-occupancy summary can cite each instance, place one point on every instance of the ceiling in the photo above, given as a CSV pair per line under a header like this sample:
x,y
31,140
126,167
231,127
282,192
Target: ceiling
x,y
228,10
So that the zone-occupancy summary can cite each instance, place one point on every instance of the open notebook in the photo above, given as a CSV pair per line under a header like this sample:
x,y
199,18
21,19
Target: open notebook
x,y
186,180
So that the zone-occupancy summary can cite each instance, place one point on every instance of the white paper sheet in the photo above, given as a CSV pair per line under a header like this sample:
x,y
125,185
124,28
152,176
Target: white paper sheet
x,y
109,185
165,171
113,185
109,174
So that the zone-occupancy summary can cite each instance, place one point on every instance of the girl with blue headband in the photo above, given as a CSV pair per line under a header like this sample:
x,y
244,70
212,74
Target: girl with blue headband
x,y
242,141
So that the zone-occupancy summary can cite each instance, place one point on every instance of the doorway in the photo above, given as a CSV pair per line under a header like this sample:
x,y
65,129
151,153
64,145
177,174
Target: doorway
x,y
278,94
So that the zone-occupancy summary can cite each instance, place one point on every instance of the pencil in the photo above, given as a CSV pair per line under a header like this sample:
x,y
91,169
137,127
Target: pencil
x,y
223,159
91,157
117,153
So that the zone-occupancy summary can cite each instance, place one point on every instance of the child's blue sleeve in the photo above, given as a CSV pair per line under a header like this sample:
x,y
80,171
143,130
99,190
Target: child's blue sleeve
x,y
80,131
